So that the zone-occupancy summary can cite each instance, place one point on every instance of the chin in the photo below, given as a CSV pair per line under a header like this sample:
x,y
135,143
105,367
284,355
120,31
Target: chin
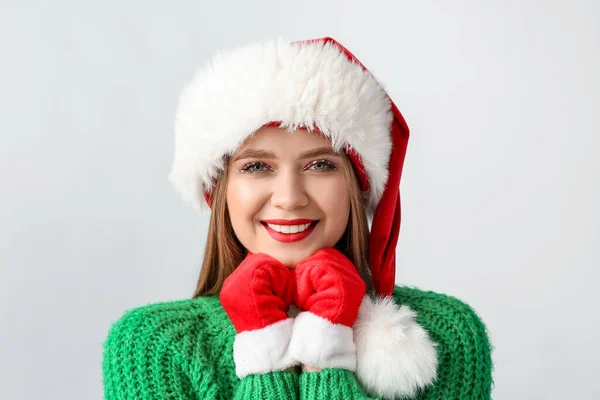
x,y
287,259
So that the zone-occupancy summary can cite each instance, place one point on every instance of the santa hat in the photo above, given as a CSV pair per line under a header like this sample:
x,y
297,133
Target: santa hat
x,y
320,86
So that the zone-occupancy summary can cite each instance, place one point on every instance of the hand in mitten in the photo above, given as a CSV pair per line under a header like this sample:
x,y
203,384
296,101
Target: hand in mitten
x,y
329,290
256,297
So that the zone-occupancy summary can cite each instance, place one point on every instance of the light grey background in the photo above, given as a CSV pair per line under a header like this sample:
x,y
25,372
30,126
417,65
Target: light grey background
x,y
500,187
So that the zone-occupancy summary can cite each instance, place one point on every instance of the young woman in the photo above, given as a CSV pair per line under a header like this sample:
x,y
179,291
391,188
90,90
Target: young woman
x,y
297,151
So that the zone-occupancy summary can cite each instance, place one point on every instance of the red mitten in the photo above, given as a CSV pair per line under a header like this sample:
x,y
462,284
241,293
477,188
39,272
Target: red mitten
x,y
256,297
330,291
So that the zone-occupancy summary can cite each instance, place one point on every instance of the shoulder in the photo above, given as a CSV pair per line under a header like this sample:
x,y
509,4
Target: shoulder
x,y
164,328
461,337
437,310
164,320
161,342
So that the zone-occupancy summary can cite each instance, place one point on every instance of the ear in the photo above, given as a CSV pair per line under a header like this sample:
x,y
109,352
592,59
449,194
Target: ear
x,y
394,354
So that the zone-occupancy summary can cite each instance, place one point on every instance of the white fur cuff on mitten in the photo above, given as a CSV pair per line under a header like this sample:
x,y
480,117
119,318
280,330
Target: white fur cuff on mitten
x,y
319,343
263,350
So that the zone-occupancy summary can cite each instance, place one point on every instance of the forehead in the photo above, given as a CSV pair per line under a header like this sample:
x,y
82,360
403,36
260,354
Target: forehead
x,y
282,141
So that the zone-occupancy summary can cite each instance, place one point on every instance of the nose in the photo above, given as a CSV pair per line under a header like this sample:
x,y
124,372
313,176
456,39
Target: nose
x,y
289,192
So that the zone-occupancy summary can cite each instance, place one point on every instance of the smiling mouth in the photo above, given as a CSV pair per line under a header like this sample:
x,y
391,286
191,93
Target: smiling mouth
x,y
289,233
289,229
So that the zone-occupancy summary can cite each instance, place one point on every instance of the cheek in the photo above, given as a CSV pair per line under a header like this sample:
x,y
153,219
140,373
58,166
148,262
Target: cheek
x,y
333,199
243,203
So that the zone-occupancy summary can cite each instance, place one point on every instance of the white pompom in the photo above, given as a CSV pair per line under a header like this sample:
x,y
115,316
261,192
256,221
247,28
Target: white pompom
x,y
395,355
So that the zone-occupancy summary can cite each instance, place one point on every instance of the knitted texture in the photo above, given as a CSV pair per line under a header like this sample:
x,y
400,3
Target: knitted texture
x,y
332,384
183,350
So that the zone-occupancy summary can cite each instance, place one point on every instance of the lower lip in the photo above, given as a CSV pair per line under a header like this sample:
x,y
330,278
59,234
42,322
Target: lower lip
x,y
290,237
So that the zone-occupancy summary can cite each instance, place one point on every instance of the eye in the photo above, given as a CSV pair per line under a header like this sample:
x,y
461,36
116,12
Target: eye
x,y
322,165
251,167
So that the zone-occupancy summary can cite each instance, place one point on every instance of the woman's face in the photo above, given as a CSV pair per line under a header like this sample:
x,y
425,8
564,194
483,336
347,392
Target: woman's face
x,y
280,177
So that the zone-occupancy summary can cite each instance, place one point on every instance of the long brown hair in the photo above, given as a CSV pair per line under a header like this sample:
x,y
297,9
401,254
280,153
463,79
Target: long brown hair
x,y
224,252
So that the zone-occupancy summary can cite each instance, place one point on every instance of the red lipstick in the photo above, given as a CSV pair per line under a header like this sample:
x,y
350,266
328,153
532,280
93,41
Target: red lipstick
x,y
290,237
289,221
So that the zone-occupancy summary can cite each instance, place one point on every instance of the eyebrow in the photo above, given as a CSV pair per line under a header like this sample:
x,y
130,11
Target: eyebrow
x,y
269,155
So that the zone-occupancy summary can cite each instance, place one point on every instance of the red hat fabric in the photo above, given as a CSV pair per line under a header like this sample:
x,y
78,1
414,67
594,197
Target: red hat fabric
x,y
230,99
385,227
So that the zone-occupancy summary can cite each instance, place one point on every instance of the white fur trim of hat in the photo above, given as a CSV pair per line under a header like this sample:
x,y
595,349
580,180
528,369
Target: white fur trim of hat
x,y
300,85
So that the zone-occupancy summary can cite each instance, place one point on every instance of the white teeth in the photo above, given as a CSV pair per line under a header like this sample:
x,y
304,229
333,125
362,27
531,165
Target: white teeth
x,y
288,229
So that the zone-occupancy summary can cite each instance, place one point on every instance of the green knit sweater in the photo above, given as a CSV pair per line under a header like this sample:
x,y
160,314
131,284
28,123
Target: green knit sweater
x,y
183,350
